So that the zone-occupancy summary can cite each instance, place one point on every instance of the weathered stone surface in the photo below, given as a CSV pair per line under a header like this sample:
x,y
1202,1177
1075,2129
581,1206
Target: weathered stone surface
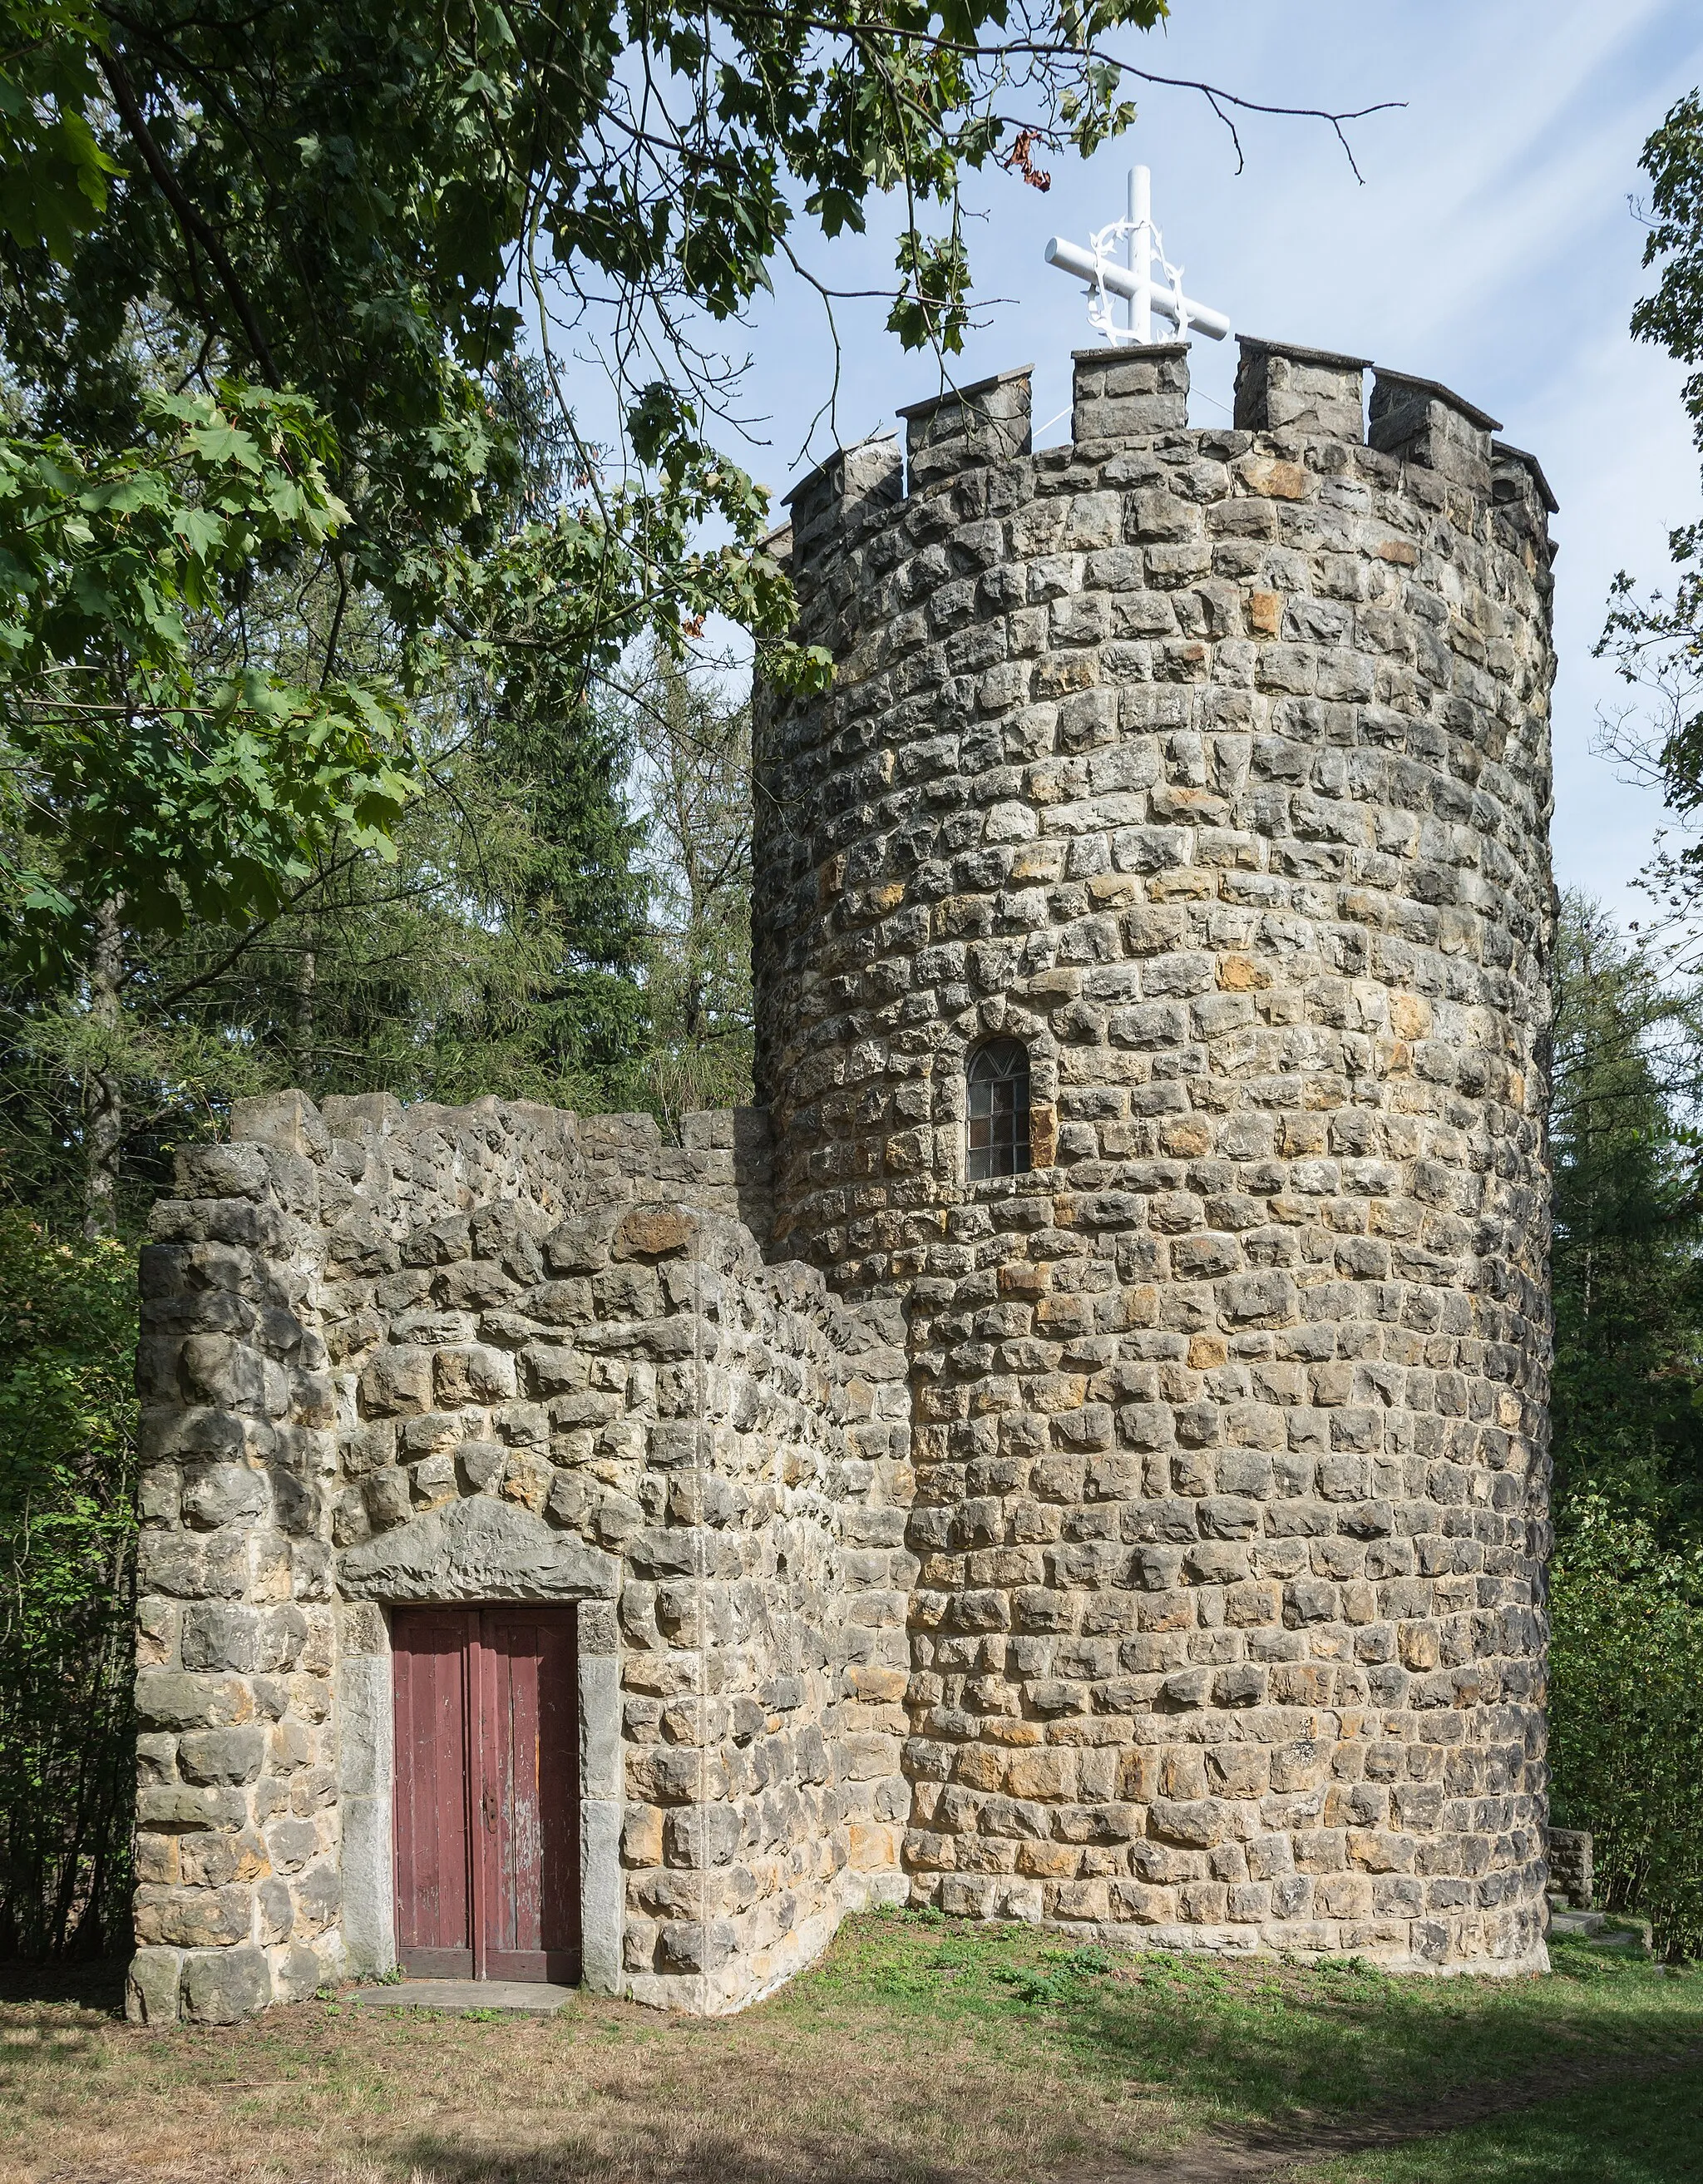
x,y
1147,1543
1213,767
221,1985
528,1394
151,1991
1123,393
1281,389
192,1918
475,1549
221,1755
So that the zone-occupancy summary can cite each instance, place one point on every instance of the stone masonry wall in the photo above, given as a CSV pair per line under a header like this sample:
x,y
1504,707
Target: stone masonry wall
x,y
494,1353
1214,766
1149,1543
764,1686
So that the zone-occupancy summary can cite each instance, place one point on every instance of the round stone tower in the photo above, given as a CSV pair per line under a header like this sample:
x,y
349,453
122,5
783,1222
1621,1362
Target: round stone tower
x,y
1201,778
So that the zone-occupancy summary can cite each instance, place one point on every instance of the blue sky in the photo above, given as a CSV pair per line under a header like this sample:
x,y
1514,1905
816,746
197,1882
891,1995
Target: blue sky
x,y
1491,247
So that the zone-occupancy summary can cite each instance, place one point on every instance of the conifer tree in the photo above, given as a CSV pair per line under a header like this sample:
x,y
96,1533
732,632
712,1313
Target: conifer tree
x,y
1628,1253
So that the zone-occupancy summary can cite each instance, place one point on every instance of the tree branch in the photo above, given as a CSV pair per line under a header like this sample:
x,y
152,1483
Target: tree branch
x,y
194,223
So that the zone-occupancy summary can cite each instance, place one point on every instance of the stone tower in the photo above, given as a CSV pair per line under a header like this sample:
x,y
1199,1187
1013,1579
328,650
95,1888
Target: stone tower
x,y
1081,1457
1213,767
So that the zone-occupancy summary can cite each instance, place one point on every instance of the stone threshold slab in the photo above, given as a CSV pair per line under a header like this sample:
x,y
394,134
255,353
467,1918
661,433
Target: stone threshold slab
x,y
530,1997
1594,1926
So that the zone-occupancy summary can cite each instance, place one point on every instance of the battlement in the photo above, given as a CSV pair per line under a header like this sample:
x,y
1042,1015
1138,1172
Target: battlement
x,y
1125,397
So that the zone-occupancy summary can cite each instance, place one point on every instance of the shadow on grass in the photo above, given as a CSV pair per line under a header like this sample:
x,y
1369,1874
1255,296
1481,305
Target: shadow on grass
x,y
1634,2130
1645,2132
96,1983
1261,2046
1365,2042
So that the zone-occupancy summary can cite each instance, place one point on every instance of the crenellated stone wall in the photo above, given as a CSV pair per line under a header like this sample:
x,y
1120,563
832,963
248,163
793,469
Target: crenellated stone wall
x,y
1212,764
394,1355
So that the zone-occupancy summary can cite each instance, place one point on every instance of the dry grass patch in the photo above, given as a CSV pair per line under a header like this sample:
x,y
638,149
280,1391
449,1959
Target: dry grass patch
x,y
918,2053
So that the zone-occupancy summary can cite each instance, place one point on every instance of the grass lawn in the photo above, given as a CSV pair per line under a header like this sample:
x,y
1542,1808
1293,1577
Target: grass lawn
x,y
919,2051
1643,2133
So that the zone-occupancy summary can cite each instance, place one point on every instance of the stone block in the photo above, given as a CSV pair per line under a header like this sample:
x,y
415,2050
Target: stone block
x,y
360,1114
388,1499
151,1987
853,486
398,1383
1129,393
275,1909
577,1247
224,1373
317,1898
179,1805
295,1971
967,427
288,1121
220,1634
476,1549
475,1373
1423,423
232,1171
192,1918
222,1986
167,1698
655,1232
214,1756
1283,388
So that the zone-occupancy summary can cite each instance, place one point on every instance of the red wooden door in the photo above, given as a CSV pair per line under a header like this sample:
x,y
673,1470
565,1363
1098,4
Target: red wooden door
x,y
487,1805
528,1820
434,1890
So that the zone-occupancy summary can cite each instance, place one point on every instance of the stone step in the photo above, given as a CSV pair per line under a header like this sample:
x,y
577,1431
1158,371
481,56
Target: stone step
x,y
527,1996
1594,1926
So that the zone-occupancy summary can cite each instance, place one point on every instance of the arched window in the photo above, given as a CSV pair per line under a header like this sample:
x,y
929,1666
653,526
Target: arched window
x,y
999,1109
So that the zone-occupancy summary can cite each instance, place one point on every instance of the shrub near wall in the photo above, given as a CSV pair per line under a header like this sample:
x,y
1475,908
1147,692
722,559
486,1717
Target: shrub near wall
x,y
67,1529
1626,1717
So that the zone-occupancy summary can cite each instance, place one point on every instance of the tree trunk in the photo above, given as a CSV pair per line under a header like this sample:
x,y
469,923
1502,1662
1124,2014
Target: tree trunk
x,y
103,1093
304,1013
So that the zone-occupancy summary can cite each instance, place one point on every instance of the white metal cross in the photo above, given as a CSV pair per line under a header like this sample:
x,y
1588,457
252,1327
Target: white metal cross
x,y
1134,281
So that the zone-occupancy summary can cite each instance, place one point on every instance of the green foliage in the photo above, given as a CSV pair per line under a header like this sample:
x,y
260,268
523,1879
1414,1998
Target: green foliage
x,y
1628,1277
548,927
1672,159
693,781
67,1530
496,951
1626,1691
1626,1727
54,176
360,202
1059,1977
1656,640
142,779
1626,1717
340,227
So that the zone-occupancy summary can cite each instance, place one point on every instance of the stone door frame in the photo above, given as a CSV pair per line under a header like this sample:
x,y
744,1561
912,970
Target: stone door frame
x,y
366,1765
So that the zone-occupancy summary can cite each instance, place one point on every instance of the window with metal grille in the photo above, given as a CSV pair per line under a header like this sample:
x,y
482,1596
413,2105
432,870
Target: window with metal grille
x,y
999,1106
